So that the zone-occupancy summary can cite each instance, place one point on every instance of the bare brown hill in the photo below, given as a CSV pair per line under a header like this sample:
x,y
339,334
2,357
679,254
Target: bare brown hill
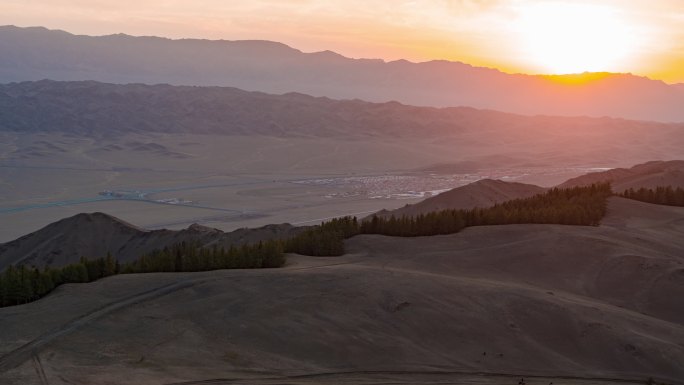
x,y
483,193
94,235
576,305
647,175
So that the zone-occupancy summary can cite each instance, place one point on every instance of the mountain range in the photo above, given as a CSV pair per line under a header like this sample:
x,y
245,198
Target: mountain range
x,y
36,53
169,132
102,110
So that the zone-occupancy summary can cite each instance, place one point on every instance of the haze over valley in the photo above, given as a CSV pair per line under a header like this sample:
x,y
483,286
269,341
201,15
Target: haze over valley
x,y
229,158
249,210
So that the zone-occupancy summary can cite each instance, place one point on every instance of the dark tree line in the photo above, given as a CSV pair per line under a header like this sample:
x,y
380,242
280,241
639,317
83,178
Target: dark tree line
x,y
668,196
574,206
192,257
326,239
22,284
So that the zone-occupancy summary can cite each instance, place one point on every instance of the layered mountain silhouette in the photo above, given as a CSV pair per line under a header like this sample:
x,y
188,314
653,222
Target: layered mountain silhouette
x,y
93,235
38,53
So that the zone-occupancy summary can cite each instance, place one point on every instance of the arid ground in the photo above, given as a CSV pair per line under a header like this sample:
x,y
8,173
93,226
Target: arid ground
x,y
552,303
230,182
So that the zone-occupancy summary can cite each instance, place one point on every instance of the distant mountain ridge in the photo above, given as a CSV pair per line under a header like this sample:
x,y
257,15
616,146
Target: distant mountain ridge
x,y
108,111
89,107
38,53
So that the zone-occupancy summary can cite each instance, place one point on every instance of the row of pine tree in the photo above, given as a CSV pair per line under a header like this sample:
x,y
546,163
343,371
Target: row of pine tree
x,y
192,256
327,239
575,206
22,284
584,206
660,195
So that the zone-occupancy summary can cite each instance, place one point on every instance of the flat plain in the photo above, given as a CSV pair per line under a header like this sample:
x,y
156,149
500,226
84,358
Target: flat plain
x,y
228,182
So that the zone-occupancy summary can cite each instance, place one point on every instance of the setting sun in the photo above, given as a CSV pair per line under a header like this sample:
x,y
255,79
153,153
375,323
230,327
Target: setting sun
x,y
572,38
342,192
515,36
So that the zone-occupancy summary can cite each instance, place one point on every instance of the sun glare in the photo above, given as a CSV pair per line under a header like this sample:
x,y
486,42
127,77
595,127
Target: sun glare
x,y
563,38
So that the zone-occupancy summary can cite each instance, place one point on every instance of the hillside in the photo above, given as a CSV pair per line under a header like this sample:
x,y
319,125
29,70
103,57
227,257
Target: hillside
x,y
489,305
39,53
94,235
487,192
647,175
483,193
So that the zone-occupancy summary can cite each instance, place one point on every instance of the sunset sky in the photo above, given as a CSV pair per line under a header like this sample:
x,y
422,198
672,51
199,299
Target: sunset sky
x,y
645,37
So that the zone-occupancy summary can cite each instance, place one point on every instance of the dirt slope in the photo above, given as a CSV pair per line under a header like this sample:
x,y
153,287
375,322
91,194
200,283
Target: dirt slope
x,y
483,193
564,302
648,175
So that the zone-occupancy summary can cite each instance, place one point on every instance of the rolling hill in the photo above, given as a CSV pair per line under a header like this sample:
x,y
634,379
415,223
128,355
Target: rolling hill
x,y
225,131
96,234
490,305
483,193
647,175
487,192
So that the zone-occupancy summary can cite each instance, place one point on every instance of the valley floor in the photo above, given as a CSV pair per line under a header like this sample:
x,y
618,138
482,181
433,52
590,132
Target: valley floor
x,y
228,182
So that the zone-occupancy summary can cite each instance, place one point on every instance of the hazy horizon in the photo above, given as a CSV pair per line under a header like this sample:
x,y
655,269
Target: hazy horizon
x,y
415,61
347,192
523,36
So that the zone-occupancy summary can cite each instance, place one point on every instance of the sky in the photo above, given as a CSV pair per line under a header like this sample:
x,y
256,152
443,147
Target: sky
x,y
644,37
